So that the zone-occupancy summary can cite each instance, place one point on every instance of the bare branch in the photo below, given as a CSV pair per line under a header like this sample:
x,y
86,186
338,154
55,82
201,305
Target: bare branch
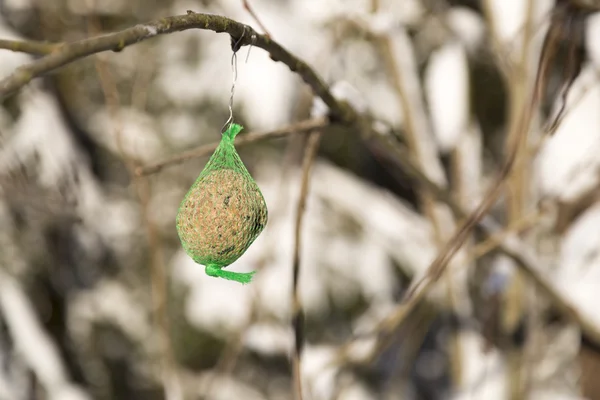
x,y
300,127
310,154
250,10
30,46
243,34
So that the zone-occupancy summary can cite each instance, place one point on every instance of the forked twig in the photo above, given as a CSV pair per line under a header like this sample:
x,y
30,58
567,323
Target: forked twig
x,y
492,243
246,4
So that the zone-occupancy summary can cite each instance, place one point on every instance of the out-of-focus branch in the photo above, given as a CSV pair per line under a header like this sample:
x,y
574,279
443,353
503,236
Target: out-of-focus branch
x,y
30,46
231,353
250,10
519,131
509,244
310,154
305,126
516,228
517,196
418,139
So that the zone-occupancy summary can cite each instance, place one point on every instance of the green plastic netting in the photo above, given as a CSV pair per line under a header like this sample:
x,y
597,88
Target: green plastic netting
x,y
223,212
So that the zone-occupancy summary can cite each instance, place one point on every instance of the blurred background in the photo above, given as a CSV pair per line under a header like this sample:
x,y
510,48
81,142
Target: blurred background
x,y
99,301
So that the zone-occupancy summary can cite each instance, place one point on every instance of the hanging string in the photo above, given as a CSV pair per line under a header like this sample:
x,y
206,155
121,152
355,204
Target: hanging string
x,y
252,42
235,47
233,81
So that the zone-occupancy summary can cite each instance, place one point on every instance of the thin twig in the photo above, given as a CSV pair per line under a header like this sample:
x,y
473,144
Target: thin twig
x,y
246,4
553,125
573,28
413,110
233,349
310,154
30,46
375,5
229,357
492,243
305,126
516,194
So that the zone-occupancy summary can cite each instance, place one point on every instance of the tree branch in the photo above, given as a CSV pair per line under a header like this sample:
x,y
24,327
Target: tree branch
x,y
509,245
299,127
29,46
243,34
250,10
310,154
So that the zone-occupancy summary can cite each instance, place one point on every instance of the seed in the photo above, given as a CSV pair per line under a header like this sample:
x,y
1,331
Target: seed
x,y
221,216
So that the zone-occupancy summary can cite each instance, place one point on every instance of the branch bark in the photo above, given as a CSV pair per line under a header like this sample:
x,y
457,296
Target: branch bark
x,y
300,127
241,34
29,46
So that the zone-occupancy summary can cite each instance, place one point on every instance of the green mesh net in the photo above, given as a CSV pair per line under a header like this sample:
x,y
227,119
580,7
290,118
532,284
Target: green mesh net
x,y
223,212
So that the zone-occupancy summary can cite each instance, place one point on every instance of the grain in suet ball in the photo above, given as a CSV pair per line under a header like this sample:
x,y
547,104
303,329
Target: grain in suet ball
x,y
223,212
221,218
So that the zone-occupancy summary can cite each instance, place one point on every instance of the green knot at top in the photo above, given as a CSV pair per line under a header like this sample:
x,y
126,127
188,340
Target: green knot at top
x,y
231,132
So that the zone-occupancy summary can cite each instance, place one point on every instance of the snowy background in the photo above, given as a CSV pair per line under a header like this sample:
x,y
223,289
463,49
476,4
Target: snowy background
x,y
89,256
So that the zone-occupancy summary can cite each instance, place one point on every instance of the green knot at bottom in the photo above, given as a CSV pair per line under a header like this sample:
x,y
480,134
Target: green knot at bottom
x,y
219,272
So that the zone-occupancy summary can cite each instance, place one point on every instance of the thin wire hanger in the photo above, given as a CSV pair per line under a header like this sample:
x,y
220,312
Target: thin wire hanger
x,y
236,46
